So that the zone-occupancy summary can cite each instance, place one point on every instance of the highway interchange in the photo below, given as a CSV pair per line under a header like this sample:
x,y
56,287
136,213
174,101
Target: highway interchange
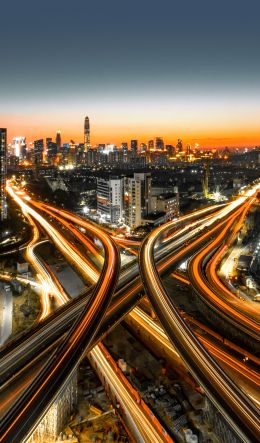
x,y
79,325
220,388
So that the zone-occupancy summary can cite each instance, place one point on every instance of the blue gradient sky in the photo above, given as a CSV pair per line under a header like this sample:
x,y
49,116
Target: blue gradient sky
x,y
139,69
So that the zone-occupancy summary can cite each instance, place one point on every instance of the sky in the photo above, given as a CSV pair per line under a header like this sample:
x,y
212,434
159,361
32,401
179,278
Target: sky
x,y
139,69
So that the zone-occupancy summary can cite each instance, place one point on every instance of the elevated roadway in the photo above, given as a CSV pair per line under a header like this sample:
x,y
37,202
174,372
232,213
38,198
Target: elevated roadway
x,y
239,412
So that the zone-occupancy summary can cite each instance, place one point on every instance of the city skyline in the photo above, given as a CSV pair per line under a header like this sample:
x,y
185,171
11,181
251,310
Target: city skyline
x,y
117,139
151,71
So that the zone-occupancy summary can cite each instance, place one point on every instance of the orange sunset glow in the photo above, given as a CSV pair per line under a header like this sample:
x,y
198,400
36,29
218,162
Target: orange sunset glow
x,y
117,130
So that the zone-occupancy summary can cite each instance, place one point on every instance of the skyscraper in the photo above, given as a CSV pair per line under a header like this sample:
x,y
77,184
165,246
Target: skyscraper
x,y
159,144
151,145
48,140
19,147
3,143
146,184
52,152
134,146
38,151
170,150
143,148
124,147
58,140
137,198
188,149
110,198
132,202
179,146
86,134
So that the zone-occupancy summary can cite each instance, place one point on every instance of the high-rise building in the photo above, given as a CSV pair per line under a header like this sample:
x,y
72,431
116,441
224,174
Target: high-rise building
x,y
170,150
137,198
58,140
188,150
48,140
52,151
143,148
3,148
132,202
91,156
38,151
179,146
110,198
19,147
159,144
101,147
86,134
134,146
150,145
146,184
80,154
124,146
46,147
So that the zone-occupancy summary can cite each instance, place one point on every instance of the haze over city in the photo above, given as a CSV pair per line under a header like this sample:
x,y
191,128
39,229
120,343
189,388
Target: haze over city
x,y
184,69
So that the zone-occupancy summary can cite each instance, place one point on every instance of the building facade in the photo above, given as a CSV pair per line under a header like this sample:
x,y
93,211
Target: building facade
x,y
146,183
124,147
137,198
132,202
58,140
110,199
3,156
19,147
134,147
167,204
159,144
52,151
38,151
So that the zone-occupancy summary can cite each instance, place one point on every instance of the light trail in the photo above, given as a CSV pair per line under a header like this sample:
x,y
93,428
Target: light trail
x,y
216,352
216,298
154,330
67,249
180,278
70,344
33,403
82,238
23,347
43,275
248,309
143,420
233,404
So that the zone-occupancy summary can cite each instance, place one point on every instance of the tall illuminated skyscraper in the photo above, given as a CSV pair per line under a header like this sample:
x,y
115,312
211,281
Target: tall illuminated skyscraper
x,y
86,134
19,147
3,144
